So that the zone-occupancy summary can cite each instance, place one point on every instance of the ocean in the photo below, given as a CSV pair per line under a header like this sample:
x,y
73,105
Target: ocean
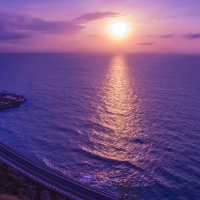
x,y
102,118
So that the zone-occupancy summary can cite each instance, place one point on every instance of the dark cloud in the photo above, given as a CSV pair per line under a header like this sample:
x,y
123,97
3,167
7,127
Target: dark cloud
x,y
95,16
167,36
93,35
192,36
5,35
37,24
23,22
146,43
14,23
161,36
149,35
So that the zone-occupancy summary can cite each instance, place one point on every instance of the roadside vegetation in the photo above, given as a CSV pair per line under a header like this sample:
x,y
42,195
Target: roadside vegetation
x,y
8,197
14,186
127,190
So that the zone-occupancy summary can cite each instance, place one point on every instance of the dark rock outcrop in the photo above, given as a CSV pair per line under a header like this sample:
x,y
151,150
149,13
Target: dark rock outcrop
x,y
9,100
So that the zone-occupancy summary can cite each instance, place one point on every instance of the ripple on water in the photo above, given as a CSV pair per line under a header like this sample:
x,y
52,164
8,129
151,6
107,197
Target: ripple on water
x,y
106,117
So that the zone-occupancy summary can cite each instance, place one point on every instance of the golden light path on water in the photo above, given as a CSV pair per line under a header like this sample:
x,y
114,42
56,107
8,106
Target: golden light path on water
x,y
118,120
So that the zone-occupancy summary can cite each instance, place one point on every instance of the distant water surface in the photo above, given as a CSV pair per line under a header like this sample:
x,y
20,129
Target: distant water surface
x,y
101,118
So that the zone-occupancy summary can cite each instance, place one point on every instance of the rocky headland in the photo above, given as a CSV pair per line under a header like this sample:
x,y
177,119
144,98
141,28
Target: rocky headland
x,y
9,100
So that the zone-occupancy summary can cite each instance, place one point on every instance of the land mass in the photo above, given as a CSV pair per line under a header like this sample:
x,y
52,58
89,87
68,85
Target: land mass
x,y
9,100
15,186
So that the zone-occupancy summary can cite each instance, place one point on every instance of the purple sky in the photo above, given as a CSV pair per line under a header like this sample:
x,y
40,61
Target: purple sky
x,y
82,25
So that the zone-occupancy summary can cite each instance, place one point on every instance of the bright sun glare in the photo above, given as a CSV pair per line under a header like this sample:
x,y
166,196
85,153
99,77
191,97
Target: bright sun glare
x,y
118,29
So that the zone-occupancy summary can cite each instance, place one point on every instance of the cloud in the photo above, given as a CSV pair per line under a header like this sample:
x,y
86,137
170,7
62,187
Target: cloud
x,y
24,22
38,24
146,43
165,20
5,35
192,36
167,36
93,35
14,23
149,35
95,16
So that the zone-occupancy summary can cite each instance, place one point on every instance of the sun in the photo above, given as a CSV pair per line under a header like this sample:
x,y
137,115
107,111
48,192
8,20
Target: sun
x,y
119,29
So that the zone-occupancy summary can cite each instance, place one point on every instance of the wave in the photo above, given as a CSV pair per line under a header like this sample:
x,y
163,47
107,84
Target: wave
x,y
112,160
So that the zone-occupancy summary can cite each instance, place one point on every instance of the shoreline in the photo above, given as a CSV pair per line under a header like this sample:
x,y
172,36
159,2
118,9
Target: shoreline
x,y
12,183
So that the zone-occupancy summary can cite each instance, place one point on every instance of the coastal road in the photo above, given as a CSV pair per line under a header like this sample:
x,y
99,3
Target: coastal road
x,y
50,178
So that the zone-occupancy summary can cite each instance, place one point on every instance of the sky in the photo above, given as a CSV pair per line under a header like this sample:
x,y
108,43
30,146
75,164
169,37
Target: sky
x,y
169,26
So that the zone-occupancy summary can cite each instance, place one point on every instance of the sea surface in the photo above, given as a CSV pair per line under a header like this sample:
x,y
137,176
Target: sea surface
x,y
101,118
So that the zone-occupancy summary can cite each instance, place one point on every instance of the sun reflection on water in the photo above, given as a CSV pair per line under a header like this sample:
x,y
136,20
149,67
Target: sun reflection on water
x,y
116,124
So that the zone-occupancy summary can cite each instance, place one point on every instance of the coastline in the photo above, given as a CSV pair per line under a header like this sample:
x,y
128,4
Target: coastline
x,y
16,185
13,185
